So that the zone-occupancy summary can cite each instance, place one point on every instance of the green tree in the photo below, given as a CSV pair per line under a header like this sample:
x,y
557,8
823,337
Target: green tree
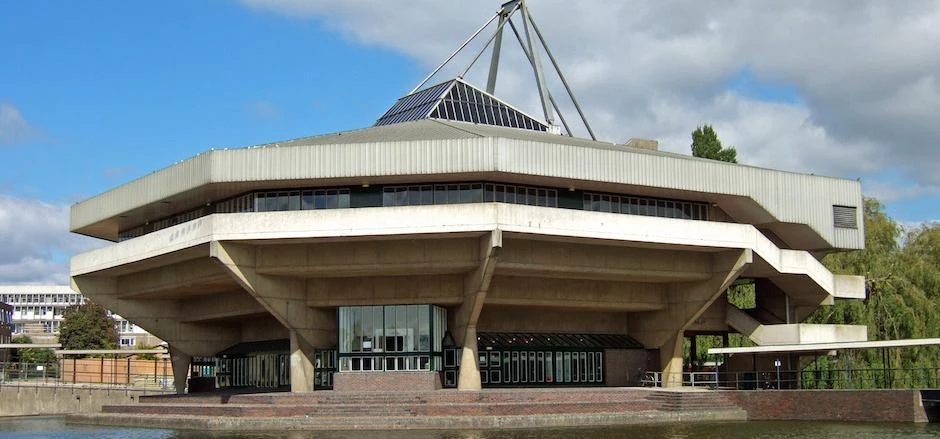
x,y
705,144
902,282
33,355
88,326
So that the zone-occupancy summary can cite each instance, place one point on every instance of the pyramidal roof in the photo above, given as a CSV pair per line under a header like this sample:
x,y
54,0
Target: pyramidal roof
x,y
459,101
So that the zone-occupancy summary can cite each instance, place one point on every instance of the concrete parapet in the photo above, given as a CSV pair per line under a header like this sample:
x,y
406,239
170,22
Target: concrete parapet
x,y
33,400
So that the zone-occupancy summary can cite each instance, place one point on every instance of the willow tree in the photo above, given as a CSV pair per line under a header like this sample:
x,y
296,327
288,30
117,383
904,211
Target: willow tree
x,y
902,283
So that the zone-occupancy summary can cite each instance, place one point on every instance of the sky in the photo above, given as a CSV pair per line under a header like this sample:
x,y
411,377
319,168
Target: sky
x,y
95,94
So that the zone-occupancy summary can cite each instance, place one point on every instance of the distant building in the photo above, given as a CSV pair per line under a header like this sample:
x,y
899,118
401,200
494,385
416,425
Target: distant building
x,y
6,328
37,310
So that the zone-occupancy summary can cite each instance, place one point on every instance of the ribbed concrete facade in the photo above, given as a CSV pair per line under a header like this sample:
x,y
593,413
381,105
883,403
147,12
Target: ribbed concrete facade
x,y
760,195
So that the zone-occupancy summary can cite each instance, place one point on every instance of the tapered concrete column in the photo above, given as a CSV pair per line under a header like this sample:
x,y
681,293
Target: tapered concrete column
x,y
476,286
469,378
285,299
687,301
670,361
301,368
180,362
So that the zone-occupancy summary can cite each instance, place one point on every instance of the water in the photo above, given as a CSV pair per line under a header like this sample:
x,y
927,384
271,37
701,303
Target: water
x,y
56,428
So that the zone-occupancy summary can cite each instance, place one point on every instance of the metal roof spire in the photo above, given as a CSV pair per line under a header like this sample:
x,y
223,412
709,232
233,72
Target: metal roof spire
x,y
531,49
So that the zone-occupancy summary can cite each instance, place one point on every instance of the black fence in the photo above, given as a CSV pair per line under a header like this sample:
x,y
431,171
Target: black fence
x,y
857,379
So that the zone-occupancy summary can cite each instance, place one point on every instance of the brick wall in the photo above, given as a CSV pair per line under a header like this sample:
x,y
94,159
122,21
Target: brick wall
x,y
386,381
837,405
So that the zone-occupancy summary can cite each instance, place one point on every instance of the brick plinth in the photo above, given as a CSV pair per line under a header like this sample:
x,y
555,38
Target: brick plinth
x,y
835,405
386,381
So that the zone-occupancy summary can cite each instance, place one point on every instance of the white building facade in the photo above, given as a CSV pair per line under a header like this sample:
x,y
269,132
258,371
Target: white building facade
x,y
38,312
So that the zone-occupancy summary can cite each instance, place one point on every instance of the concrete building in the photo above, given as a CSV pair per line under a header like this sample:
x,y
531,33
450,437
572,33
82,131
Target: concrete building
x,y
385,245
37,312
462,242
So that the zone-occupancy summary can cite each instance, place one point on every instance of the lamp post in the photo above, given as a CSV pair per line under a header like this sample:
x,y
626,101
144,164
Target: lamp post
x,y
777,365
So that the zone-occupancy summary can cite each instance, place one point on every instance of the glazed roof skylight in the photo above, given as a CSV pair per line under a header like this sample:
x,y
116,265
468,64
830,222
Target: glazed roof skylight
x,y
459,101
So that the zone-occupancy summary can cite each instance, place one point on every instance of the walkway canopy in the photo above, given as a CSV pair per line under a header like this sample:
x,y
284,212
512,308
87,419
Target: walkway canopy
x,y
825,347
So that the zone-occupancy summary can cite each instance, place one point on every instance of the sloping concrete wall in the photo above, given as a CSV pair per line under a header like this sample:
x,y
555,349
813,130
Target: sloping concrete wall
x,y
31,400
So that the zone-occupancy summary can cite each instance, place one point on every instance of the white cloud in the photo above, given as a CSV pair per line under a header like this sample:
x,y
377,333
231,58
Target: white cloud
x,y
36,243
13,127
888,191
867,73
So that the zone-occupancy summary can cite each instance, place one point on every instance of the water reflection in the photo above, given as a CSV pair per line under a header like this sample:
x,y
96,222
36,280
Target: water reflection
x,y
56,428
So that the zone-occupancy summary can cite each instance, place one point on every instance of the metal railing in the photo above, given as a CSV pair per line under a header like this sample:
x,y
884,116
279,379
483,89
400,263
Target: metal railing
x,y
856,379
111,372
688,379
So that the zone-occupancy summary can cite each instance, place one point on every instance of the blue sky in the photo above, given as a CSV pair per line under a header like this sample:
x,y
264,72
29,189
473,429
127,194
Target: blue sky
x,y
120,89
94,94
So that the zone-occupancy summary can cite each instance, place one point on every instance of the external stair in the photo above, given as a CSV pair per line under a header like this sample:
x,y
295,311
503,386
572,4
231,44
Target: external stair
x,y
792,333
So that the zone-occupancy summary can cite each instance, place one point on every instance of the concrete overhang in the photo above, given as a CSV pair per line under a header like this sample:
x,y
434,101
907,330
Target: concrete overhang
x,y
797,207
458,220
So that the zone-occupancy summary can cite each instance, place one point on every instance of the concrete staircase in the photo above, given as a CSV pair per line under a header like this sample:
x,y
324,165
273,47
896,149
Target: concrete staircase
x,y
791,334
496,408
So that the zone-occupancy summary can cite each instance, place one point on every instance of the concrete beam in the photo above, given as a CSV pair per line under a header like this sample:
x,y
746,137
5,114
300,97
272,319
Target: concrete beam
x,y
187,277
542,258
284,298
222,306
581,294
387,257
386,290
162,318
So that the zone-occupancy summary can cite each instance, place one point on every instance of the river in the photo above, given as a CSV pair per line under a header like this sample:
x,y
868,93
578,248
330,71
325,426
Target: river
x,y
56,428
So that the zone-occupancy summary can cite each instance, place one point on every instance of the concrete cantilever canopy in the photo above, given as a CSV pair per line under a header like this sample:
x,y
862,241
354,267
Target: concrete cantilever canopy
x,y
618,263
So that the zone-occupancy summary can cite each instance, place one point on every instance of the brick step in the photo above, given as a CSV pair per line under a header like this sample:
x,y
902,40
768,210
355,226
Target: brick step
x,y
218,410
378,423
689,401
347,410
519,396
185,399
504,409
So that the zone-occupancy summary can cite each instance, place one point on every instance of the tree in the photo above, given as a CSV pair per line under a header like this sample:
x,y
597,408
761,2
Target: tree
x,y
88,326
705,144
902,282
32,355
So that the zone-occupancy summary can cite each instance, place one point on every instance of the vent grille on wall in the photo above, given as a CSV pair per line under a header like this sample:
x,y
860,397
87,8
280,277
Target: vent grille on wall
x,y
844,216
